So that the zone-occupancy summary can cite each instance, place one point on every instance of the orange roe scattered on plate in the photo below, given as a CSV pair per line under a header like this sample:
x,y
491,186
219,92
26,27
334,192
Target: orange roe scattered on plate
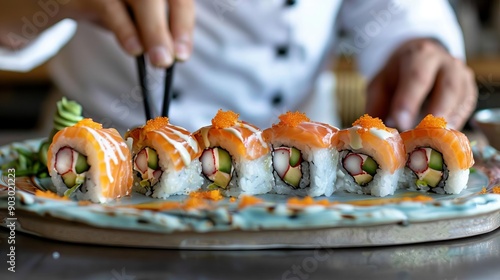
x,y
89,123
84,203
232,199
49,194
156,123
248,200
432,122
306,201
211,195
292,119
366,121
194,203
496,190
483,191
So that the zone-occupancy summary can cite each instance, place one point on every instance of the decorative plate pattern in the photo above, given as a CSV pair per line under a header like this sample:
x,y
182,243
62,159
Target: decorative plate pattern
x,y
266,221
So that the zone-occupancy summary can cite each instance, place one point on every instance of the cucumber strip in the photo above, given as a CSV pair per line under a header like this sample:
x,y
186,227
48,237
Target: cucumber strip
x,y
436,160
81,164
152,158
69,192
370,166
225,161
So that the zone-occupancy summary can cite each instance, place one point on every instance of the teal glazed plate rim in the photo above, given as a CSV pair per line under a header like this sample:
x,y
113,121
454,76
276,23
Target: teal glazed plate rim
x,y
343,220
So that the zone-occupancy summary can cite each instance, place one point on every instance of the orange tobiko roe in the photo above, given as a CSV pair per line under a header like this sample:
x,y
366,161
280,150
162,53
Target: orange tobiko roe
x,y
155,124
366,121
248,200
292,119
89,123
50,194
307,201
225,119
210,195
430,121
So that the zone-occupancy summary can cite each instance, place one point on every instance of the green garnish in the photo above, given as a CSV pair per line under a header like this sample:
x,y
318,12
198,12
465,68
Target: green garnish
x,y
34,163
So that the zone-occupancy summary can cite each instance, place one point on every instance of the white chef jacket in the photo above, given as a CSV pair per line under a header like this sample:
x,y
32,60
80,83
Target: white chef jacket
x,y
258,58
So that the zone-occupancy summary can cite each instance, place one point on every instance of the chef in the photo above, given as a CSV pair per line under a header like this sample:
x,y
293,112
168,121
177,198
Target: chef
x,y
258,58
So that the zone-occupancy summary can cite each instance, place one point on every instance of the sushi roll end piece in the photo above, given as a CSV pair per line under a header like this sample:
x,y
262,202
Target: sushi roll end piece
x,y
439,158
89,162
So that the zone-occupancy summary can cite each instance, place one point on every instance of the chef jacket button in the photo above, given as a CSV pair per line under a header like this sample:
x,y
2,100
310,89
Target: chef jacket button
x,y
282,51
277,99
175,94
290,3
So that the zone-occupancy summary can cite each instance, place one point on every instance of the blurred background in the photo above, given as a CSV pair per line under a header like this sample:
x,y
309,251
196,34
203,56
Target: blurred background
x,y
22,95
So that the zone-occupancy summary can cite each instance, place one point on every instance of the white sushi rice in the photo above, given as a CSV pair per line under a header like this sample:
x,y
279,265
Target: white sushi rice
x,y
249,177
384,183
173,182
319,171
455,182
88,191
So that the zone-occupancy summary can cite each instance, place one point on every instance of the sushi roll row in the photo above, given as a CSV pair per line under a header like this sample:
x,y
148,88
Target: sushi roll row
x,y
295,156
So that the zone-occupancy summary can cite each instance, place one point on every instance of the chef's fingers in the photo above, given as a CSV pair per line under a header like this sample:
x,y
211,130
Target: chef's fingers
x,y
467,103
449,96
378,96
418,66
113,15
151,21
182,19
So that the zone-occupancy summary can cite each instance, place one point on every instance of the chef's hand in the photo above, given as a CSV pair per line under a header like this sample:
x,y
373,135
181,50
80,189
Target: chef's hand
x,y
151,34
422,77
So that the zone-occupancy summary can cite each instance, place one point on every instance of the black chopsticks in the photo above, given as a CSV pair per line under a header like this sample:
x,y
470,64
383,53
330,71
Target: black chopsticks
x,y
167,92
142,72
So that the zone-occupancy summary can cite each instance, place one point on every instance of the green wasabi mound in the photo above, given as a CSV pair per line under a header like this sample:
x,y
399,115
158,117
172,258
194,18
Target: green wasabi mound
x,y
34,162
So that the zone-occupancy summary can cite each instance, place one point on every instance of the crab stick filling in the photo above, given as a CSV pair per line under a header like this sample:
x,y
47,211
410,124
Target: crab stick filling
x,y
428,166
72,166
287,164
360,166
217,166
146,164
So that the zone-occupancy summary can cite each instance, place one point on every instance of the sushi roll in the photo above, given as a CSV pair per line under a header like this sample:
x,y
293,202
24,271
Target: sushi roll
x,y
89,162
439,158
304,159
235,158
165,159
372,157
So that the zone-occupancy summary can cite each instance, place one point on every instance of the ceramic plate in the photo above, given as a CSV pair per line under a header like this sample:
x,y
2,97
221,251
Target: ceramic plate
x,y
343,220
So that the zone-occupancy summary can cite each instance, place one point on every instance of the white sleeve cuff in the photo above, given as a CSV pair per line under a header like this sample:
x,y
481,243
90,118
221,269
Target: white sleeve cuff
x,y
37,52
